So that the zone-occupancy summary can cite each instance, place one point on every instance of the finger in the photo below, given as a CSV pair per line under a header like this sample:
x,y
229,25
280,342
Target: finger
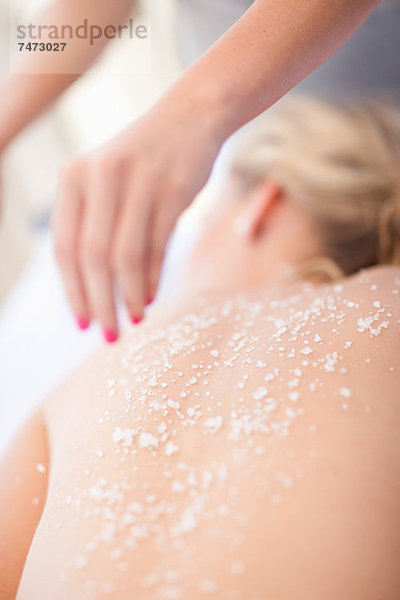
x,y
170,207
66,221
100,216
131,241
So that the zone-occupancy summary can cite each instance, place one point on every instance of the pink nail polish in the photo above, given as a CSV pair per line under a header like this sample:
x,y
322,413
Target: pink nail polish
x,y
110,336
82,323
136,320
150,301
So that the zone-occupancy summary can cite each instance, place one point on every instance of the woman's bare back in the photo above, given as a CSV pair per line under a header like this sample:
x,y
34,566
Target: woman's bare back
x,y
244,449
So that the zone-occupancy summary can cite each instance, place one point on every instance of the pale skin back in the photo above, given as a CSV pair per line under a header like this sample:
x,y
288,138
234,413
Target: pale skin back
x,y
244,448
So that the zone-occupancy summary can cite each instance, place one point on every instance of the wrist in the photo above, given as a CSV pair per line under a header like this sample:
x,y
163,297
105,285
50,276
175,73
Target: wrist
x,y
201,106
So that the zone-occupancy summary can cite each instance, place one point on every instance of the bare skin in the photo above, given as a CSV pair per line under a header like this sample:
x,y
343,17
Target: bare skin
x,y
282,479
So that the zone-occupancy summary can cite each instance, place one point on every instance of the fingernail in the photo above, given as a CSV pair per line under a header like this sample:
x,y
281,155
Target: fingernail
x,y
136,320
110,336
82,323
150,301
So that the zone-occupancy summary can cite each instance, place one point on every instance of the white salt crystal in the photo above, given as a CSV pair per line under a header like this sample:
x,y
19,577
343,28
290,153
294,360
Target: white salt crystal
x,y
260,393
306,350
173,404
147,440
171,448
208,586
214,422
123,435
237,567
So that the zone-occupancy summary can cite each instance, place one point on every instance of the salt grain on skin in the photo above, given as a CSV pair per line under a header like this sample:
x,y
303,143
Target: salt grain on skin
x,y
171,448
237,567
124,435
172,404
260,393
80,562
214,423
41,468
306,350
208,586
147,440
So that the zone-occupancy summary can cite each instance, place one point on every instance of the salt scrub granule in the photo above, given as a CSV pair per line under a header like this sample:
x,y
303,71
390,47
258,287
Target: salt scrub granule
x,y
41,468
214,423
171,448
147,440
306,350
208,586
345,392
214,353
237,567
80,562
260,393
99,452
293,396
123,435
176,405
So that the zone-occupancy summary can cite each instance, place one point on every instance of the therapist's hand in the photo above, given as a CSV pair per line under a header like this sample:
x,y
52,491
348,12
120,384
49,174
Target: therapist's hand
x,y
118,206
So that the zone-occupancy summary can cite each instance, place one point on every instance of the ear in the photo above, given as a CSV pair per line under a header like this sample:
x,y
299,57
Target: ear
x,y
262,201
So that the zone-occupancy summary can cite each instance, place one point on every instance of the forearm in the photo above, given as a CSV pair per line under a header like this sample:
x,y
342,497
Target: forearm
x,y
24,95
275,45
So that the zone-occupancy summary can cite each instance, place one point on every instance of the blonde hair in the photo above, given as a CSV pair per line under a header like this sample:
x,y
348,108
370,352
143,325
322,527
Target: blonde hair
x,y
341,164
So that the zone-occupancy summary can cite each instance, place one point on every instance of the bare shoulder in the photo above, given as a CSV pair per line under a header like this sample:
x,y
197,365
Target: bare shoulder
x,y
377,291
383,281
